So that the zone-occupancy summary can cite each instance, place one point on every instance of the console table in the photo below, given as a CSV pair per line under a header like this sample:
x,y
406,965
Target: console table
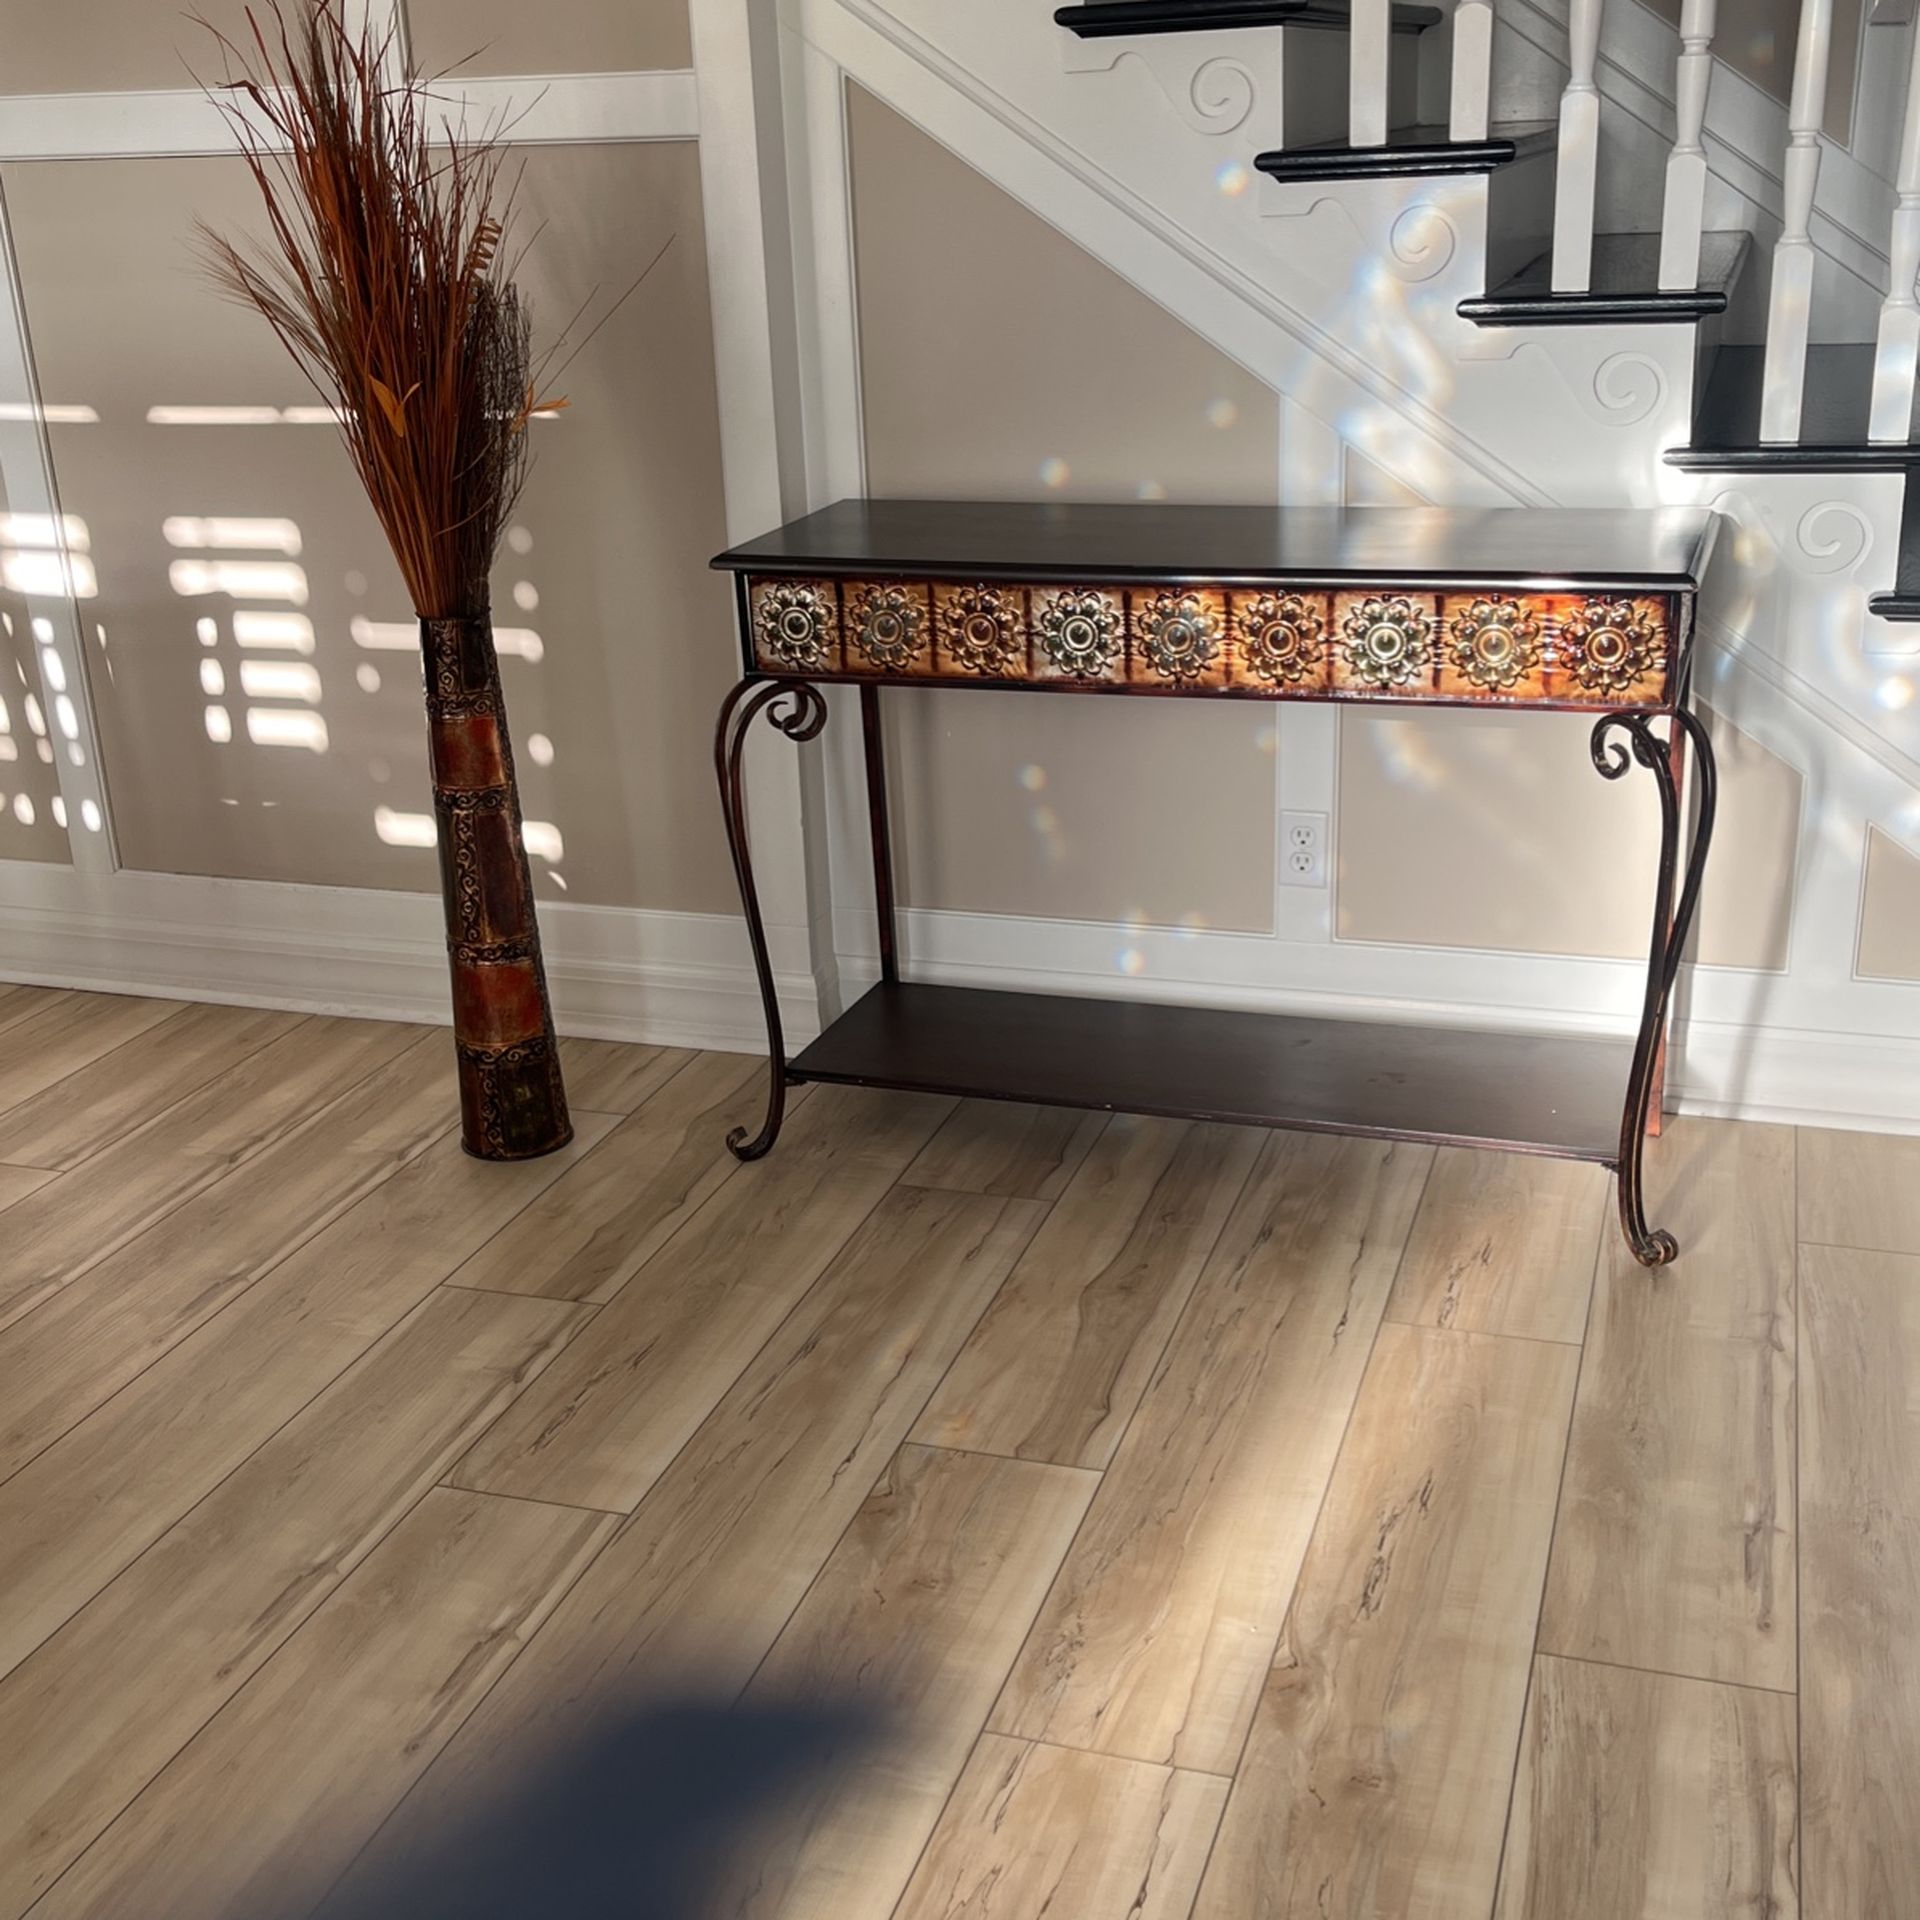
x,y
1544,610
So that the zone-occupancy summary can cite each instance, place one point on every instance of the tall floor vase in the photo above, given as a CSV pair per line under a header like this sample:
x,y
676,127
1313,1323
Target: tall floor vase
x,y
513,1105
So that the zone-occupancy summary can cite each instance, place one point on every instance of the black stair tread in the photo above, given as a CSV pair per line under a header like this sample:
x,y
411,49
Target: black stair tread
x,y
1833,418
1105,18
1410,150
1626,271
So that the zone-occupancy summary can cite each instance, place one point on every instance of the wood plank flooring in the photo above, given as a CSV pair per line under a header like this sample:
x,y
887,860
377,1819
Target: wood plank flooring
x,y
967,1513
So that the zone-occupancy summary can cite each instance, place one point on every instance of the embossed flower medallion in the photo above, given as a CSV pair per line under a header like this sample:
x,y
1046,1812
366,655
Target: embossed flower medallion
x,y
1495,643
1079,633
1179,633
1386,642
980,629
793,624
1282,638
1609,645
888,626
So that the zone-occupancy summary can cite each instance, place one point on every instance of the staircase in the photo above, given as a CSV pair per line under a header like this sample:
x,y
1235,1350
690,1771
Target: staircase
x,y
1781,404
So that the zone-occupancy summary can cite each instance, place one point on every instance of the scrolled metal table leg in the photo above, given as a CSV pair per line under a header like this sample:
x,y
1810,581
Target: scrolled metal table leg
x,y
1654,1247
800,719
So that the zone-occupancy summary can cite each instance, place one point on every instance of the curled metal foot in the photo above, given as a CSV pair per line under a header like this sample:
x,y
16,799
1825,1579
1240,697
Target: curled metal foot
x,y
743,1148
798,710
1656,1249
1672,921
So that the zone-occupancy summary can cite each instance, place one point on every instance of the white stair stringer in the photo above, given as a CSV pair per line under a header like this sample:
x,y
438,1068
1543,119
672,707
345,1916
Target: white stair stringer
x,y
1225,84
1800,555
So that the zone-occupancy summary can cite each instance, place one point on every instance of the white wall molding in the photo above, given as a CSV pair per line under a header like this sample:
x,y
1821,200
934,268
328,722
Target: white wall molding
x,y
575,107
28,484
740,65
1861,1081
179,122
681,979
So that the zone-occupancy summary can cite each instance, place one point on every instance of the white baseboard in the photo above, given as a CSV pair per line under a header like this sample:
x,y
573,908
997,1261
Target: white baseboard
x,y
685,979
678,979
1863,1083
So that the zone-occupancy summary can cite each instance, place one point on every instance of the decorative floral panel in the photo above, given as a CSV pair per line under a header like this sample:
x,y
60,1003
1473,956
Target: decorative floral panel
x,y
796,626
1281,641
1178,638
1489,647
981,632
1492,645
888,626
1384,643
1613,652
1079,633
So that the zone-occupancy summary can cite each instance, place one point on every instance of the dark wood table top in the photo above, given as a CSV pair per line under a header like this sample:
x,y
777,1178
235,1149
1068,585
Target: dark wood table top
x,y
1536,549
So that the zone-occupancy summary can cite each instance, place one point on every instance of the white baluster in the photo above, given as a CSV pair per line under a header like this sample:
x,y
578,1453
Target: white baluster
x,y
1577,171
1368,45
1685,210
1468,111
1898,345
1790,301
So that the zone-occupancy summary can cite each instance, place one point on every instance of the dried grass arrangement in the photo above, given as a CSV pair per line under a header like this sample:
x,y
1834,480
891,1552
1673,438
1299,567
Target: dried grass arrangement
x,y
387,277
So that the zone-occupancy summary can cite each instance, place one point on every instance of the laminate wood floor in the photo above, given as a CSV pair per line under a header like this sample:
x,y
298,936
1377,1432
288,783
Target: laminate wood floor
x,y
967,1513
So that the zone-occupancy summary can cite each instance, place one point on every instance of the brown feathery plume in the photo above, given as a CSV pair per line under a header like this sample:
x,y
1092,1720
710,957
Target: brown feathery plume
x,y
386,279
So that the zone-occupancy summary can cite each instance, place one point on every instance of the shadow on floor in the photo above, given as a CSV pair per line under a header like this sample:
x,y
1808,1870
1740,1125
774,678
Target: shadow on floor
x,y
633,1821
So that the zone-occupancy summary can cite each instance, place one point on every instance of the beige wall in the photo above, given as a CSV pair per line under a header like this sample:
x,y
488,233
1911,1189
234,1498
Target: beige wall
x,y
549,36
1493,830
606,564
1000,361
29,735
91,46
1890,912
1164,813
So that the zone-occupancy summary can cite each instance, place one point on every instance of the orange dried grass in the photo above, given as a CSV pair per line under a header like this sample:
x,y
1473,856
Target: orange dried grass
x,y
387,280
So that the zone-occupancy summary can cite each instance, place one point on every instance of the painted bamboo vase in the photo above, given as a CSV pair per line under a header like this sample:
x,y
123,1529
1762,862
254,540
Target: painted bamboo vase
x,y
513,1105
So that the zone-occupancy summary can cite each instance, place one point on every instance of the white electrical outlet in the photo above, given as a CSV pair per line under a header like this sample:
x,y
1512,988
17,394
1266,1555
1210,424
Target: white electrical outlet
x,y
1303,849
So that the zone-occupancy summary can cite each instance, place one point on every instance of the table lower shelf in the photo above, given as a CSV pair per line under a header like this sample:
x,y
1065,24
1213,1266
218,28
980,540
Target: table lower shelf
x,y
1531,1093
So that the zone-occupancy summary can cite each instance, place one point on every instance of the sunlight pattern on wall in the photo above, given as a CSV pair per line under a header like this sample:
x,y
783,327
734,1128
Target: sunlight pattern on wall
x,y
542,838
261,681
40,554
